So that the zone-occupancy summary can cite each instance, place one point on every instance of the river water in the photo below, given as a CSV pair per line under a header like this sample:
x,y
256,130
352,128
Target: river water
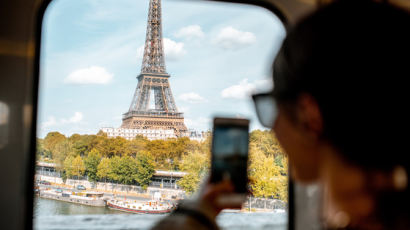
x,y
58,215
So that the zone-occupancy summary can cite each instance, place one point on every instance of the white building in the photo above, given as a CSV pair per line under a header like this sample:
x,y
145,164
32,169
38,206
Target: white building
x,y
197,135
152,134
129,134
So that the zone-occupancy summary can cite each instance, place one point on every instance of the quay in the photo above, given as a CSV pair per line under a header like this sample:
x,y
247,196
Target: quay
x,y
164,181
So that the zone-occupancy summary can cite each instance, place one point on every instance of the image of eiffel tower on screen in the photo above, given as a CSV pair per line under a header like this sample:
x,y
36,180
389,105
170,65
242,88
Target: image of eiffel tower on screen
x,y
153,106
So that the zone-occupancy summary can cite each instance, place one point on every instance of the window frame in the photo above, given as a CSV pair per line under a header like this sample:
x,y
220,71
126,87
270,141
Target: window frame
x,y
25,160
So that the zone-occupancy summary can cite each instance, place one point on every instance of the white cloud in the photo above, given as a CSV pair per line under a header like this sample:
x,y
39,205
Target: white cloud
x,y
173,50
192,98
245,88
51,121
90,75
76,118
231,38
190,32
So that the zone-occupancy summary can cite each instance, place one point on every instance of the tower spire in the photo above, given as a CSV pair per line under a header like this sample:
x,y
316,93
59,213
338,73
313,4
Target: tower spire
x,y
153,105
153,60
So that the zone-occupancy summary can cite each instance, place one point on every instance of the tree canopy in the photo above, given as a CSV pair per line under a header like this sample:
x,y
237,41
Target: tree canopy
x,y
145,168
135,161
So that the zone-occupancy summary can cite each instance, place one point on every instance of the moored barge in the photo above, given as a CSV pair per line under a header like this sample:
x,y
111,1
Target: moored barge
x,y
85,198
141,207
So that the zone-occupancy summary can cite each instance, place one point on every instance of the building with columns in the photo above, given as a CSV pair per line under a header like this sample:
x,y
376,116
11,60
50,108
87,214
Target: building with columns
x,y
129,134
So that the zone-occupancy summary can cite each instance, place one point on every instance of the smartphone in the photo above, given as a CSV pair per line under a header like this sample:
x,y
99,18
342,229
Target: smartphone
x,y
230,147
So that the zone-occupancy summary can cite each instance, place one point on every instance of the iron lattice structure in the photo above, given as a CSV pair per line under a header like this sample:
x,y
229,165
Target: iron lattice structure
x,y
153,81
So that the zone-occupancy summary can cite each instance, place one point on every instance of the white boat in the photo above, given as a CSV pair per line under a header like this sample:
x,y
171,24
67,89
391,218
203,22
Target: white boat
x,y
147,207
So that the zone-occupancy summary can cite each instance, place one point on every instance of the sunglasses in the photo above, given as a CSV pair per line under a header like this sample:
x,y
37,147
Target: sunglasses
x,y
266,108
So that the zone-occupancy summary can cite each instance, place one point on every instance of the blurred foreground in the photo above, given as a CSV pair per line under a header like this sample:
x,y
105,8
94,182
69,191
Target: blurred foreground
x,y
50,214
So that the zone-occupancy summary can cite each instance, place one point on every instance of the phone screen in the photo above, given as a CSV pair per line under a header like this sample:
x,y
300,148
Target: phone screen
x,y
230,146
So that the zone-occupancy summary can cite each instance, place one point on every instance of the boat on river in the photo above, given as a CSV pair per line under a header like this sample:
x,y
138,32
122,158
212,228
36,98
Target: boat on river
x,y
89,198
141,207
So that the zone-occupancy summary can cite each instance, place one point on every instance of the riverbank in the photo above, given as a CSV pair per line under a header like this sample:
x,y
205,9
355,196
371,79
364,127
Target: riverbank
x,y
113,188
135,192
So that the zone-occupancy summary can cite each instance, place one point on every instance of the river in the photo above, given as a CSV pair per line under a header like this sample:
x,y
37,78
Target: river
x,y
58,215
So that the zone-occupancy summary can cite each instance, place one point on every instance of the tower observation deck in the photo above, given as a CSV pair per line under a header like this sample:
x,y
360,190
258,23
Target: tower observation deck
x,y
153,105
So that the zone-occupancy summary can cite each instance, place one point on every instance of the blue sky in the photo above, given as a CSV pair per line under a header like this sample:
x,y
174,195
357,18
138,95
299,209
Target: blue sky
x,y
216,54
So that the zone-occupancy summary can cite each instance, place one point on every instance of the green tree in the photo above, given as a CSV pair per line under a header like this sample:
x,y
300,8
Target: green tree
x,y
42,154
196,165
189,183
91,163
138,144
127,161
110,147
145,169
177,148
205,145
265,175
52,139
63,175
123,169
160,150
78,167
68,166
61,151
104,169
101,133
284,166
268,168
283,189
82,144
56,144
266,142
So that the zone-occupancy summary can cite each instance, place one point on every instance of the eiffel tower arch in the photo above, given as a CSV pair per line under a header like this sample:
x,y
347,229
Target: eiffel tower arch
x,y
153,105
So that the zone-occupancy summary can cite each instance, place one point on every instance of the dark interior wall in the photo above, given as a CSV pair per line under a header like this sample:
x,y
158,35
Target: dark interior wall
x,y
17,52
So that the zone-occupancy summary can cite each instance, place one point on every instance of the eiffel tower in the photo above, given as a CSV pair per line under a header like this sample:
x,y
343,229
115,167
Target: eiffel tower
x,y
153,106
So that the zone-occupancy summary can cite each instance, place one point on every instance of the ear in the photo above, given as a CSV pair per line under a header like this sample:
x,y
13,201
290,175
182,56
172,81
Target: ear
x,y
309,115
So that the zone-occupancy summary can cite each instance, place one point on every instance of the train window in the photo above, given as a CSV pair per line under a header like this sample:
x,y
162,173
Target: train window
x,y
127,93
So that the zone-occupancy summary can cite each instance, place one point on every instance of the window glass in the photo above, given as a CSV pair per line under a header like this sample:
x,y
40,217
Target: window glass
x,y
125,110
